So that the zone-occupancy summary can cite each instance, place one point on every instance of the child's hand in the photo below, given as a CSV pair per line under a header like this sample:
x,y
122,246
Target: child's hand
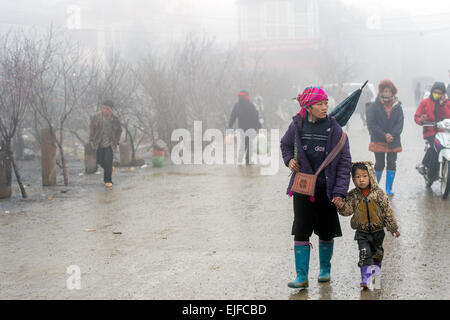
x,y
397,234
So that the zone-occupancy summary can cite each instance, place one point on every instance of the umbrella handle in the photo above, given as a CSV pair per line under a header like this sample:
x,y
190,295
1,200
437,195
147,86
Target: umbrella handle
x,y
364,84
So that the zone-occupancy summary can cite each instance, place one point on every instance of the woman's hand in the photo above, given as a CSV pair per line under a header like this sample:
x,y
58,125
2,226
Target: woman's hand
x,y
389,138
294,166
338,202
423,118
397,234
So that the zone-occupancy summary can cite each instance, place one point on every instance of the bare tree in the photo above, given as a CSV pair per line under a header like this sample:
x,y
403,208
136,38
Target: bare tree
x,y
163,102
60,88
16,79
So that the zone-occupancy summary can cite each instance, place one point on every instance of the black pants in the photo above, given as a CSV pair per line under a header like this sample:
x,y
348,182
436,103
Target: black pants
x,y
370,247
105,160
391,158
431,160
319,217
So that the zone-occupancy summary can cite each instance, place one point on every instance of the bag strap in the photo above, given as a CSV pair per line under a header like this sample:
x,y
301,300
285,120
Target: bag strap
x,y
333,153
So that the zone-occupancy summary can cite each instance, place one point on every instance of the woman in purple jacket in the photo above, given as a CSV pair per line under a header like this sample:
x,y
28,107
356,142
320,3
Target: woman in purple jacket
x,y
315,134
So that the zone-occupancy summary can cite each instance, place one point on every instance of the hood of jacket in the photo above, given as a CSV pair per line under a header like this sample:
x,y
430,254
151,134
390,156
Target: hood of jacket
x,y
439,86
386,83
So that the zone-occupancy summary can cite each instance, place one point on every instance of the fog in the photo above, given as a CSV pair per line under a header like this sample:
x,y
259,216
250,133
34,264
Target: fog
x,y
205,51
403,40
168,66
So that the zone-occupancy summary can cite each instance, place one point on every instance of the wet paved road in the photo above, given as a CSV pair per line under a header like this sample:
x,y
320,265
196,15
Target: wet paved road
x,y
211,232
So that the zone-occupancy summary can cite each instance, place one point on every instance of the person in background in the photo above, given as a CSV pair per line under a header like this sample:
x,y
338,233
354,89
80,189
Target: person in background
x,y
248,118
418,93
104,135
385,122
432,109
366,97
448,85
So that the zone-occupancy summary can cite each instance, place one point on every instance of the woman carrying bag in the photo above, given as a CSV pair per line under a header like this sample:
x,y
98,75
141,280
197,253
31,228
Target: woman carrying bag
x,y
306,147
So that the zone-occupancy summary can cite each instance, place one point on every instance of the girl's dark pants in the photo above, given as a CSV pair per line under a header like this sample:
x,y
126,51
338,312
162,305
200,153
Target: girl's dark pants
x,y
370,247
391,158
105,160
320,217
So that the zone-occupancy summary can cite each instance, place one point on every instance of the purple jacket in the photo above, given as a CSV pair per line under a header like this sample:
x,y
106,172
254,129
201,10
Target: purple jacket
x,y
337,173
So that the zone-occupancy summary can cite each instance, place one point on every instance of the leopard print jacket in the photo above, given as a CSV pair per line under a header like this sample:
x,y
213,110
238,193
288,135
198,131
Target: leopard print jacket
x,y
372,213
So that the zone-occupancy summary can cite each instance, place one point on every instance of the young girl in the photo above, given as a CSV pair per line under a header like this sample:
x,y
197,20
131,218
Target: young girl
x,y
371,212
385,122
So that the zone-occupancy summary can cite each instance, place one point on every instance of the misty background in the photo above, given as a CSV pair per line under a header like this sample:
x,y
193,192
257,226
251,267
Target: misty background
x,y
168,63
401,40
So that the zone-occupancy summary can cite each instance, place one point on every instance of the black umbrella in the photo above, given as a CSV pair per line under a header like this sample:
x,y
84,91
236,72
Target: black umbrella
x,y
345,109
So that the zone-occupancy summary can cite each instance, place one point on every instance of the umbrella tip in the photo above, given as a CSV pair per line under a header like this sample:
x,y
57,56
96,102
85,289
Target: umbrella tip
x,y
364,84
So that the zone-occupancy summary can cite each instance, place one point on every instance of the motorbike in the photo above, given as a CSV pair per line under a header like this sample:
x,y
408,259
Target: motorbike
x,y
442,147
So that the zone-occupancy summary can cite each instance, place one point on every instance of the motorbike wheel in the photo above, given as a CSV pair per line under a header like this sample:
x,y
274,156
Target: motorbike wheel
x,y
445,183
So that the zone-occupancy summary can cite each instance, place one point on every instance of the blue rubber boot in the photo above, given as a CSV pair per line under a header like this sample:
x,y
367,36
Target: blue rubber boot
x,y
301,266
390,175
378,174
325,254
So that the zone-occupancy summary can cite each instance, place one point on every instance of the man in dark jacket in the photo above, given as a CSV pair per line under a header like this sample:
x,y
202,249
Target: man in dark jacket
x,y
247,115
366,97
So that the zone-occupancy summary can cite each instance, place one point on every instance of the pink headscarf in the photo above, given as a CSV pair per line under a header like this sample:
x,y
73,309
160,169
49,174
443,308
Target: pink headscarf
x,y
310,96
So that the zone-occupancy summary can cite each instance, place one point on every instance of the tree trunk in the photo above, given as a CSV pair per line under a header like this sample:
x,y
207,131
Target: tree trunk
x,y
37,133
125,154
48,158
90,159
63,158
5,176
133,152
18,177
19,144
10,155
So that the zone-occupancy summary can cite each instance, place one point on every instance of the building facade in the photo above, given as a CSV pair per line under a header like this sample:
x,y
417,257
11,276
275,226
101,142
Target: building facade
x,y
278,24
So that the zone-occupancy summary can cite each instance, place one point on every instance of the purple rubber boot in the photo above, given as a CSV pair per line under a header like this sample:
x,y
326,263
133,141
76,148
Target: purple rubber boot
x,y
365,277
